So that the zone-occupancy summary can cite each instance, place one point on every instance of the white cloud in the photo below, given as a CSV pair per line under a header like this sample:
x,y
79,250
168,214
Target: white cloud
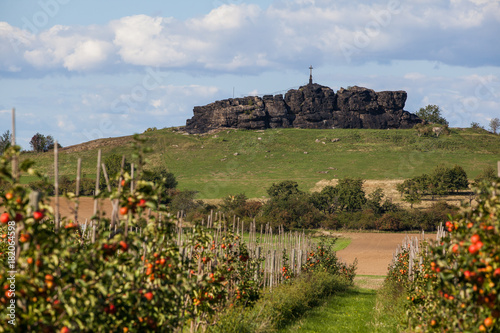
x,y
88,55
245,38
66,47
226,18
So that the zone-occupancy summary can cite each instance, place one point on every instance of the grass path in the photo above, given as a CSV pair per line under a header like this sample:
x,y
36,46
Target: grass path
x,y
350,311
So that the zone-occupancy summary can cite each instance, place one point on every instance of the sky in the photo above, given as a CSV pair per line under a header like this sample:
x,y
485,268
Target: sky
x,y
84,70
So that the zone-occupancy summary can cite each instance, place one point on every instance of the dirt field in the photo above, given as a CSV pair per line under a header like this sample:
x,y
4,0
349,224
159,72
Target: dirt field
x,y
86,208
373,250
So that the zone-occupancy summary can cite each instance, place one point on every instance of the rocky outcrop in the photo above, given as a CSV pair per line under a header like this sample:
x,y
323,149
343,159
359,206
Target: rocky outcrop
x,y
310,106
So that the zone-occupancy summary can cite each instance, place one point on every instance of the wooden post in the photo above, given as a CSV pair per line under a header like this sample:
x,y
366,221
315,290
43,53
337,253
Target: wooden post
x,y
77,192
132,177
98,176
93,234
15,174
257,272
56,183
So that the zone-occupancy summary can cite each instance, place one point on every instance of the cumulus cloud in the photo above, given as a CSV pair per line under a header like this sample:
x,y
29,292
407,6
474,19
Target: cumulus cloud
x,y
88,54
247,38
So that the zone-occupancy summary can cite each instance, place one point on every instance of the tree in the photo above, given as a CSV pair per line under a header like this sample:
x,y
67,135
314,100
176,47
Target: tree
x,y
432,114
458,178
374,201
290,207
411,190
326,200
41,143
351,196
283,190
494,125
5,141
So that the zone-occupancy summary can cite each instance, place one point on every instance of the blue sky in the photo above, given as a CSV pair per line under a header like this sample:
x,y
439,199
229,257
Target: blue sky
x,y
83,70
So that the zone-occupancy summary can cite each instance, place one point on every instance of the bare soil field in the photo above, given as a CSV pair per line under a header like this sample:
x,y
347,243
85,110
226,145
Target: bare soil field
x,y
373,250
86,208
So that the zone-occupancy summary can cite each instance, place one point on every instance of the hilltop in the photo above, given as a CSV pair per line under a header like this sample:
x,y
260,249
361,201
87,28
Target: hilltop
x,y
234,161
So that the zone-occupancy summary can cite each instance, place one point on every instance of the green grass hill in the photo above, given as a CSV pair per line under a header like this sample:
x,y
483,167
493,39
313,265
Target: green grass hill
x,y
236,161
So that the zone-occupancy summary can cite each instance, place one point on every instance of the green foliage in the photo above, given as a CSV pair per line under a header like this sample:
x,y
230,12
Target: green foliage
x,y
350,194
374,201
5,140
232,203
294,212
165,181
290,207
461,271
284,190
443,180
431,114
113,164
138,282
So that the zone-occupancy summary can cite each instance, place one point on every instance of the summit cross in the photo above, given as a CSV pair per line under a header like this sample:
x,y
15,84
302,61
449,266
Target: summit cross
x,y
311,74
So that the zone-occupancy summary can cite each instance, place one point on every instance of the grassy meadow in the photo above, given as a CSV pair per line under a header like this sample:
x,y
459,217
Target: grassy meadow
x,y
235,161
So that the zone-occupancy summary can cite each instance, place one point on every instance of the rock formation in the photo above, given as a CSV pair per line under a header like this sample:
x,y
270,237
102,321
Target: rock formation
x,y
310,106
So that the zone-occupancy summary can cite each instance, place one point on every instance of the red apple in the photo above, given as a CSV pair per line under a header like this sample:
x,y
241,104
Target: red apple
x,y
124,246
148,295
475,238
473,249
5,217
38,215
